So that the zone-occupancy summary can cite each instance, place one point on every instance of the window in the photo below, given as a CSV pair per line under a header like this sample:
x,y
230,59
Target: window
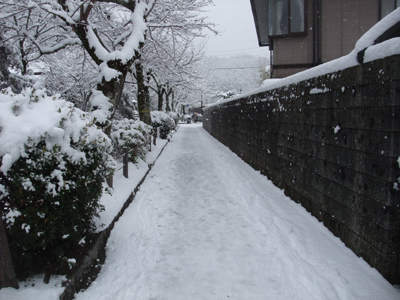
x,y
387,6
286,17
278,18
297,15
260,14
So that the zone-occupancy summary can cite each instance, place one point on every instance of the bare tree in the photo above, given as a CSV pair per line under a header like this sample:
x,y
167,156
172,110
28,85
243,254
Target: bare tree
x,y
111,32
70,73
172,50
32,32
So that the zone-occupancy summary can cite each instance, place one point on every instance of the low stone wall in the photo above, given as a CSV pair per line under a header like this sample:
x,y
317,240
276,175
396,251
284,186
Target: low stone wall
x,y
332,143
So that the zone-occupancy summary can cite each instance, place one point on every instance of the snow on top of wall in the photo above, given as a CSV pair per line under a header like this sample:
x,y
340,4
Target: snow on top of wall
x,y
373,52
382,50
377,30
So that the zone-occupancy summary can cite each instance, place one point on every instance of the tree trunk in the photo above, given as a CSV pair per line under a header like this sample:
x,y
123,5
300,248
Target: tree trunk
x,y
7,274
160,94
113,91
24,68
167,108
143,95
173,101
113,88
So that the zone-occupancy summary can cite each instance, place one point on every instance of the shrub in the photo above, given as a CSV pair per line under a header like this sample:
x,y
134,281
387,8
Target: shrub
x,y
163,121
130,134
54,162
175,116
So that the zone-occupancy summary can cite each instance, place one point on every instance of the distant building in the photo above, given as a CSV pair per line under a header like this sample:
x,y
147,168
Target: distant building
x,y
304,33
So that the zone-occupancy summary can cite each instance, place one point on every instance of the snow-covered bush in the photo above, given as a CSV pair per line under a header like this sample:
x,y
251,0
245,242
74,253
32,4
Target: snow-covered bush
x,y
175,116
54,161
130,134
164,121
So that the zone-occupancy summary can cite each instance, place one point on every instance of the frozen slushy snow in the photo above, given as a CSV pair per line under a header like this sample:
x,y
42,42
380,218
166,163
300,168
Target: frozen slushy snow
x,y
205,225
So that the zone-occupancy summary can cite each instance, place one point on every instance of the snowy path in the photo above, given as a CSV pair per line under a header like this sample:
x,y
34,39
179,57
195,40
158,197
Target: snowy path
x,y
204,225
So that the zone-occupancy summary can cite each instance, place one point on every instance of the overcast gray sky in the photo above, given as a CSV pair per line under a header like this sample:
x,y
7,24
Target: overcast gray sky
x,y
234,20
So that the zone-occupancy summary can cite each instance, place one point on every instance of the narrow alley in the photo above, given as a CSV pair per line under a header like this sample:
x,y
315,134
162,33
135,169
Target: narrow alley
x,y
205,225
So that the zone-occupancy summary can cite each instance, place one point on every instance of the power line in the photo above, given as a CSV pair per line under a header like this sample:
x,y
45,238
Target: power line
x,y
235,68
242,42
238,52
253,48
228,68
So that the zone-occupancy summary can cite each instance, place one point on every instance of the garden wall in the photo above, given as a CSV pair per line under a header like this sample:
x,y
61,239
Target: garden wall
x,y
332,143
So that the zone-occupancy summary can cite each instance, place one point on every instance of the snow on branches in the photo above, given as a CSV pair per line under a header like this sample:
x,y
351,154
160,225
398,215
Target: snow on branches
x,y
32,116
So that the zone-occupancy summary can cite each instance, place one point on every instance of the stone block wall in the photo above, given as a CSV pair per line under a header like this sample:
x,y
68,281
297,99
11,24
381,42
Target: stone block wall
x,y
333,144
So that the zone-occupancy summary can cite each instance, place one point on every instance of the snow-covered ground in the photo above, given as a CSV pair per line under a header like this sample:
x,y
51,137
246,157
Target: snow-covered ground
x,y
204,225
123,187
34,288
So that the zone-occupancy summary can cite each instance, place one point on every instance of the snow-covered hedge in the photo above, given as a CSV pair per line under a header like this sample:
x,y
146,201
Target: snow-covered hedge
x,y
164,121
54,161
130,134
175,116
